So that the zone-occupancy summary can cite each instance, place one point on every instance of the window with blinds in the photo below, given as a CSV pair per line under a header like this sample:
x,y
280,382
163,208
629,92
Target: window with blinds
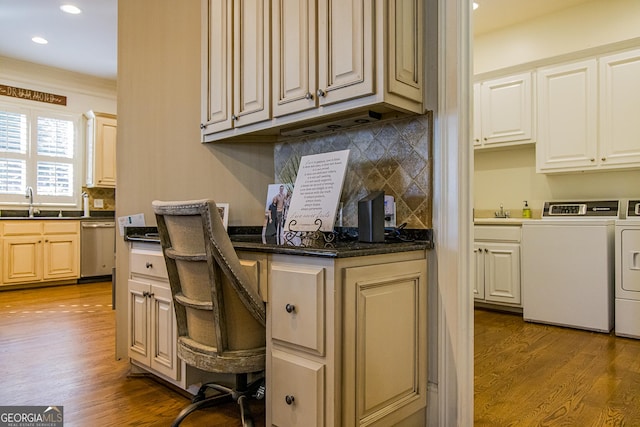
x,y
40,149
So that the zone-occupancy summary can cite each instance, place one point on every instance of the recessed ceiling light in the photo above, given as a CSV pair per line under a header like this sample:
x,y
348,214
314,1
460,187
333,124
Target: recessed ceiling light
x,y
475,5
39,40
69,8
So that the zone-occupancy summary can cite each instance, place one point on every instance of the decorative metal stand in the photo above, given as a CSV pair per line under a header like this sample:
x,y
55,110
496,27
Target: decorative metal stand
x,y
309,239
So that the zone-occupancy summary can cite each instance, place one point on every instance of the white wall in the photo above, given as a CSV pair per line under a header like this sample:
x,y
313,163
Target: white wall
x,y
509,176
592,24
83,92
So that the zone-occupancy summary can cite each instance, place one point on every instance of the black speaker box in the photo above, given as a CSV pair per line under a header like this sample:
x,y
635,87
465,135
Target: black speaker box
x,y
371,218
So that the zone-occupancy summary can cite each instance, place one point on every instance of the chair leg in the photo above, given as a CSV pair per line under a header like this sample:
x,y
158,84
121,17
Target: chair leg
x,y
200,403
241,394
245,412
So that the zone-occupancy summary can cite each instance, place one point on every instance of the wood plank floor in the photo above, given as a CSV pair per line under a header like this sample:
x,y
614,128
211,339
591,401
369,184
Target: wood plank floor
x,y
57,348
537,375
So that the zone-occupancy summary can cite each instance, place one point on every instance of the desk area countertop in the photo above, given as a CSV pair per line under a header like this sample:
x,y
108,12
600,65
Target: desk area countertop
x,y
342,244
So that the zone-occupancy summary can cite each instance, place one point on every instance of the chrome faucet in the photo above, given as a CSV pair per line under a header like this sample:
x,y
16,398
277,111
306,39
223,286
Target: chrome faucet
x,y
29,195
502,213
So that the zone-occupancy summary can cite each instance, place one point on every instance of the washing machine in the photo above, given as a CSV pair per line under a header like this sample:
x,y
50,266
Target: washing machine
x,y
627,252
568,265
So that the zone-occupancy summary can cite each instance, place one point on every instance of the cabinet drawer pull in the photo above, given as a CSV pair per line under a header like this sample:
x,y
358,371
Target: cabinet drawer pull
x,y
289,399
148,265
290,308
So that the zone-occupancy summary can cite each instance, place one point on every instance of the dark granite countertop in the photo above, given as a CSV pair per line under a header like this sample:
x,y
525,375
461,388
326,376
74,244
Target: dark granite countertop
x,y
53,214
341,244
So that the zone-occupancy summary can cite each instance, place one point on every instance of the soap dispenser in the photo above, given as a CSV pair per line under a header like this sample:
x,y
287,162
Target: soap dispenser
x,y
526,211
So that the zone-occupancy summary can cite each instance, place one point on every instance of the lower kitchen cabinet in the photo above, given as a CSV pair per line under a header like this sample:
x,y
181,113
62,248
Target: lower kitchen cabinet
x,y
40,251
346,336
152,326
346,340
497,265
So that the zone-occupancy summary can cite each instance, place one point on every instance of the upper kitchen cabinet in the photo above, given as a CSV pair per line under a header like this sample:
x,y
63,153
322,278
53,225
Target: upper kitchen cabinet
x,y
619,109
567,116
503,112
588,114
101,149
331,61
236,64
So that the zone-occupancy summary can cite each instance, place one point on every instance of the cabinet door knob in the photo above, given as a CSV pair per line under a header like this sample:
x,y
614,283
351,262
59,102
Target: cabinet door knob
x,y
202,126
592,160
308,95
604,159
485,138
320,93
289,399
148,265
486,250
234,117
290,308
145,294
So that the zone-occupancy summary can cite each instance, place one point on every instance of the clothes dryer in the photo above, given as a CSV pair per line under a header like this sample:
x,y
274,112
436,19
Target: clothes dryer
x,y
627,255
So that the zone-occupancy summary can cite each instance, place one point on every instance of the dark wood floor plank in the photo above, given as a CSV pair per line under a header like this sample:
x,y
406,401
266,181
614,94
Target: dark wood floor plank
x,y
529,374
57,347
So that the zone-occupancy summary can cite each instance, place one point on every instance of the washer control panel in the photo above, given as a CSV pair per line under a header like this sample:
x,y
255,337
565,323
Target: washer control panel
x,y
573,209
633,209
577,209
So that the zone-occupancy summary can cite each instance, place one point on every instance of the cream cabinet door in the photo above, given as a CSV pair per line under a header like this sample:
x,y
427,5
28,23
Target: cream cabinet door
x,y
297,298
236,64
22,259
138,321
567,117
294,56
251,62
101,132
384,326
105,151
507,113
163,331
297,395
61,256
345,50
619,109
404,63
502,272
477,115
478,283
217,65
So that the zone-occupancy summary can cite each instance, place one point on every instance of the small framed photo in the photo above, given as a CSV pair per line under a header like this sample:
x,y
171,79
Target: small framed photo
x,y
223,209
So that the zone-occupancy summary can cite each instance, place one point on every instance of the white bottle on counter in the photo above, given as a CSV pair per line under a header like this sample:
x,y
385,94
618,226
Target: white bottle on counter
x,y
85,204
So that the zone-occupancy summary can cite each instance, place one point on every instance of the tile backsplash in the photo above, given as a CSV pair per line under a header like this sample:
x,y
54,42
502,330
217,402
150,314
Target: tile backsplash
x,y
390,155
108,196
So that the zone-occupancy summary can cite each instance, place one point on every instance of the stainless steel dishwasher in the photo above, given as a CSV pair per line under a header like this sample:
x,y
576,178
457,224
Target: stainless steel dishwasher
x,y
97,247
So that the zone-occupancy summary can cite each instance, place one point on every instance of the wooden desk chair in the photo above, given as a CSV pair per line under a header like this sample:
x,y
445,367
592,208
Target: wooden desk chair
x,y
220,316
